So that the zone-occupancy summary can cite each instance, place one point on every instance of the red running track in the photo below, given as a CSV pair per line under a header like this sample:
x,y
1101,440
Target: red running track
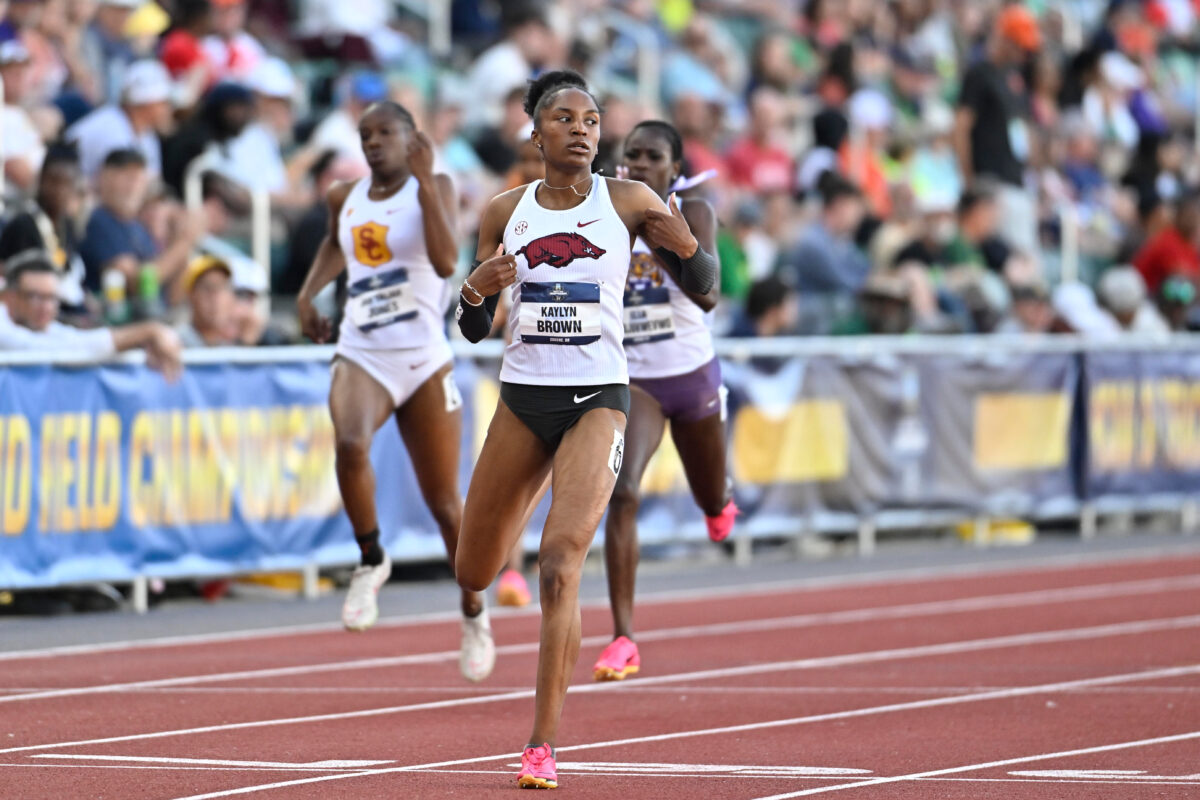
x,y
1079,682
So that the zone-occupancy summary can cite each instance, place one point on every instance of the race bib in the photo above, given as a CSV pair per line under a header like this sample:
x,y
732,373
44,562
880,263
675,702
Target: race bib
x,y
648,316
560,313
381,300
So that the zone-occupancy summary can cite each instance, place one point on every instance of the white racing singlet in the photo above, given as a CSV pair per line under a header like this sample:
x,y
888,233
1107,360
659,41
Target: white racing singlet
x,y
395,299
565,324
666,334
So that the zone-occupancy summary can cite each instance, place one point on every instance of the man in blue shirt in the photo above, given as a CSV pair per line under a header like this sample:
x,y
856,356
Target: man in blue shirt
x,y
117,240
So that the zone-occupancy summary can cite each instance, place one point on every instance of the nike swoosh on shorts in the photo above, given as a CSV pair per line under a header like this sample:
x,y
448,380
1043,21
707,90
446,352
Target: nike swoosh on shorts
x,y
579,399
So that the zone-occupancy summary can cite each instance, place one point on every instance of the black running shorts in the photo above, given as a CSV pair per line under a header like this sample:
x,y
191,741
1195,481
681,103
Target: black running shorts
x,y
551,411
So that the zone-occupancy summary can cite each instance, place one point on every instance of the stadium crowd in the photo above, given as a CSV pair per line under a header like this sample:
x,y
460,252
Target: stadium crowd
x,y
877,166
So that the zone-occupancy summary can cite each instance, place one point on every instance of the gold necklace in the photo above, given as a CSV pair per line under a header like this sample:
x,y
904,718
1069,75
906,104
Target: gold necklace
x,y
386,190
571,187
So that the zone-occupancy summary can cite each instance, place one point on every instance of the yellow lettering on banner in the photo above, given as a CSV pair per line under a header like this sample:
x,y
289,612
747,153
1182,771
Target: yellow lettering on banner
x,y
65,520
809,442
299,432
1182,440
1111,424
253,478
1021,431
142,507
46,485
318,486
83,486
175,477
204,469
106,477
1147,427
18,462
228,434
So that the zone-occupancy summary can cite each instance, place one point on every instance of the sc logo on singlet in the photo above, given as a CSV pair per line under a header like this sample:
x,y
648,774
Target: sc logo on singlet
x,y
370,244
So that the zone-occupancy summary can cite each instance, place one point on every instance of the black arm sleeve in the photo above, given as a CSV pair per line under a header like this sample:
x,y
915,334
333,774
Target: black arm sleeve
x,y
697,274
475,322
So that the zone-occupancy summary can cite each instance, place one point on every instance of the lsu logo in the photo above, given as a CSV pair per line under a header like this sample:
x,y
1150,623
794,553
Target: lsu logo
x,y
370,244
558,250
644,273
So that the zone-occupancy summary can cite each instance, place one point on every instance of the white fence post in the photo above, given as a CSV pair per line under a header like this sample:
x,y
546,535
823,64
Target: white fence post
x,y
139,595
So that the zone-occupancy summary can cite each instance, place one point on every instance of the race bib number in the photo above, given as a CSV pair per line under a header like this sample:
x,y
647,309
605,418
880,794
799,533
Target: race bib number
x,y
560,313
648,316
381,300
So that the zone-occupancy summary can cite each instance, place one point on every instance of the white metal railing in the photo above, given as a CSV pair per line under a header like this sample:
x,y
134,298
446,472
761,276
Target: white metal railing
x,y
260,208
852,347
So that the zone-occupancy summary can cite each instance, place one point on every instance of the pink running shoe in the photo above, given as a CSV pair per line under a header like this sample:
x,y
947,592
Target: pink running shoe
x,y
618,660
512,590
720,526
538,770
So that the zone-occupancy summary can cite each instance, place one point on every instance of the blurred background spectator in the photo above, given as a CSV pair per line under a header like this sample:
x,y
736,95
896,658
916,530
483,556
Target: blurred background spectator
x,y
925,166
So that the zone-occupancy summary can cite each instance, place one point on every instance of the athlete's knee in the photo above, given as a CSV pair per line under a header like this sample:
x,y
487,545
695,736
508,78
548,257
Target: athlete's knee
x,y
625,498
447,511
352,448
469,574
558,573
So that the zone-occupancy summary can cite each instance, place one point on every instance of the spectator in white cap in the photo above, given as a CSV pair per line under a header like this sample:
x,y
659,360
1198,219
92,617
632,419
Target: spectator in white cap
x,y
250,306
23,149
145,109
1123,292
105,47
254,157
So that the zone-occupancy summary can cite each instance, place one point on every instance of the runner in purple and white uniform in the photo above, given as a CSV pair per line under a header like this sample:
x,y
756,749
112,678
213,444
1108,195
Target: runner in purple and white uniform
x,y
674,377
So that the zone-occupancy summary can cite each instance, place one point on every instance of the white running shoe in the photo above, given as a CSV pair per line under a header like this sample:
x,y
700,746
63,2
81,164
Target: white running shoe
x,y
478,655
360,611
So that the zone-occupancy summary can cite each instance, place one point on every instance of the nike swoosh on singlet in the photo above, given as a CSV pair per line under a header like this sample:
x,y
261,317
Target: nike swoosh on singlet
x,y
579,399
585,224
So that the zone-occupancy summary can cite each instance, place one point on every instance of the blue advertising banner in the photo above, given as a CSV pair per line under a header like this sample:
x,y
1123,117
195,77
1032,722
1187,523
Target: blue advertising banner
x,y
108,472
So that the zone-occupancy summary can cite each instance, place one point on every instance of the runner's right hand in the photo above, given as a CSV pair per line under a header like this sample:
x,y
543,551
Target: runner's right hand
x,y
312,324
494,274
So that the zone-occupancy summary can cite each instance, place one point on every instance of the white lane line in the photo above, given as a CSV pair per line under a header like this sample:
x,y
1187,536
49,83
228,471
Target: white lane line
x,y
633,688
741,776
1139,588
753,726
213,762
882,577
161,768
871,656
935,773
1171,782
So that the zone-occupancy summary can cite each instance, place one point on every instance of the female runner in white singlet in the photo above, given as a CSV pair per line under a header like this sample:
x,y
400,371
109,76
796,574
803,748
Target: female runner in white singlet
x,y
674,376
565,242
394,231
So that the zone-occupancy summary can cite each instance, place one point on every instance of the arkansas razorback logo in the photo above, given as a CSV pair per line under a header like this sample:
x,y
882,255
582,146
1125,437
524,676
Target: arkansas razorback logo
x,y
558,250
